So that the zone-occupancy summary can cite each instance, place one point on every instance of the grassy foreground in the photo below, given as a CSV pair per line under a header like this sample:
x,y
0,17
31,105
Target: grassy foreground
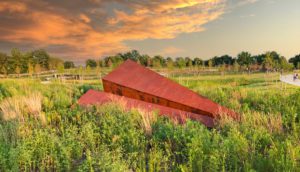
x,y
39,131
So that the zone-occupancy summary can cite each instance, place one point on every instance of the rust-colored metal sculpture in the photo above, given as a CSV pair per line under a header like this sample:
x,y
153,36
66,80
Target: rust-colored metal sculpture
x,y
135,81
142,87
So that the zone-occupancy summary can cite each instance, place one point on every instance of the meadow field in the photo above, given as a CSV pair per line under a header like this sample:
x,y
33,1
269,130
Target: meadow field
x,y
42,128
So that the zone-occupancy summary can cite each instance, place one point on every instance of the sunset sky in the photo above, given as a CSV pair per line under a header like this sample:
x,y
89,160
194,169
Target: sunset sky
x,y
81,29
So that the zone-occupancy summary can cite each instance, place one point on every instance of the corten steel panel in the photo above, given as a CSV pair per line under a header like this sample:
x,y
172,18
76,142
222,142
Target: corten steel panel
x,y
93,97
128,92
135,81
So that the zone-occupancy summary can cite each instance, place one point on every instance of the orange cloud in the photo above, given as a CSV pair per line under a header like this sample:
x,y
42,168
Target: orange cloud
x,y
93,31
84,18
12,7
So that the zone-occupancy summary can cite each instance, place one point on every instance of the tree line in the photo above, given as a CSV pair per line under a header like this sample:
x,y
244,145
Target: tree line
x,y
244,61
39,60
28,62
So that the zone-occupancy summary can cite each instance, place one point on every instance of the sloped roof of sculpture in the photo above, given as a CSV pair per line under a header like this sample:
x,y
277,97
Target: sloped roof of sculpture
x,y
132,75
93,97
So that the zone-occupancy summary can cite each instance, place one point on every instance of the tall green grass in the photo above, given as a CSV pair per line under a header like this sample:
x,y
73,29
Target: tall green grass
x,y
108,138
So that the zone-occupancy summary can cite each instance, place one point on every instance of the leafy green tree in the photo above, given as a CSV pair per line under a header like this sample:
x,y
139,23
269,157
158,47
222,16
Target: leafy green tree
x,y
180,62
295,60
169,63
245,59
41,57
275,56
258,59
157,61
54,63
3,63
271,60
225,59
101,63
197,62
115,60
69,65
133,55
24,61
283,64
15,61
28,62
188,62
143,59
268,62
91,63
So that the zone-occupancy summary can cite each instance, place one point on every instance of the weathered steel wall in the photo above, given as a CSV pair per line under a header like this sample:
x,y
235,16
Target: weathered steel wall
x,y
93,97
131,93
135,81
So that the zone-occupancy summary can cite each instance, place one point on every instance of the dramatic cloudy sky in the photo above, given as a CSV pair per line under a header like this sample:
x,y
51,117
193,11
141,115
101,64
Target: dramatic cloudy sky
x,y
81,29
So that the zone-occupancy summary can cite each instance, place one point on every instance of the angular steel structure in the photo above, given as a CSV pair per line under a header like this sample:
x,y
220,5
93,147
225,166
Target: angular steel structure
x,y
137,82
143,88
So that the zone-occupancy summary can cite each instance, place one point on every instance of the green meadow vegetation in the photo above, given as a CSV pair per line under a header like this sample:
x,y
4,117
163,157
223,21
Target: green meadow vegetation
x,y
42,129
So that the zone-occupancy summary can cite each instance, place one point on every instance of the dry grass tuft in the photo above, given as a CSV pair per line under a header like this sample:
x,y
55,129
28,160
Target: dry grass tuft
x,y
271,122
224,120
183,118
148,119
119,101
11,108
19,107
33,105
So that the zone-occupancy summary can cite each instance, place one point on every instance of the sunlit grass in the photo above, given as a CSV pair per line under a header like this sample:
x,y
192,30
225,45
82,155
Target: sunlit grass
x,y
113,138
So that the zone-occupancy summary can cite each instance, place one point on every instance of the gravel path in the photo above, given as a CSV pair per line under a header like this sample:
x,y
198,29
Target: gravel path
x,y
289,79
